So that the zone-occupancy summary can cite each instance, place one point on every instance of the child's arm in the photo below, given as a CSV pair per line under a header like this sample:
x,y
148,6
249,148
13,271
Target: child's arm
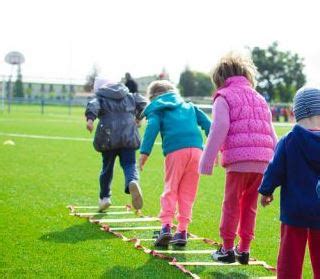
x,y
91,113
203,120
141,103
218,133
150,135
275,174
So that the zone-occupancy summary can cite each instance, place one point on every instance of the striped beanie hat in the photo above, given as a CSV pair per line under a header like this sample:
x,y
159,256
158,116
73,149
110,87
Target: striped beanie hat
x,y
306,103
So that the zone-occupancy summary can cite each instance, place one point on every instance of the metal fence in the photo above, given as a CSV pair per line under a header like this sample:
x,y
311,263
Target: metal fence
x,y
42,106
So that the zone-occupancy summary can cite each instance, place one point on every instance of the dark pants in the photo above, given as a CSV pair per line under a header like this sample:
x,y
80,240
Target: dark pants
x,y
128,163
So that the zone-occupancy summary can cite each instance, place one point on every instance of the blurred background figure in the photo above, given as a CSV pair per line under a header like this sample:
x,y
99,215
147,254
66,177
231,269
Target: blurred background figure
x,y
130,83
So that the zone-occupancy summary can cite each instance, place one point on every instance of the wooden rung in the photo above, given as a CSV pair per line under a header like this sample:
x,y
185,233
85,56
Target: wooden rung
x,y
153,239
135,228
101,213
127,220
96,207
215,263
184,251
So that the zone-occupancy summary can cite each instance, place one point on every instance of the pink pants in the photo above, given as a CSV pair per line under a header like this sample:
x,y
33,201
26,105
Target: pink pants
x,y
181,185
239,209
292,250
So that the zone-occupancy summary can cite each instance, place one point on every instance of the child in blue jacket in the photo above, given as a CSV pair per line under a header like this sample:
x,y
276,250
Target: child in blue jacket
x,y
296,168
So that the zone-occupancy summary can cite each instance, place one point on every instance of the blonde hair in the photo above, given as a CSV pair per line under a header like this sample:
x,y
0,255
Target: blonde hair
x,y
159,87
234,64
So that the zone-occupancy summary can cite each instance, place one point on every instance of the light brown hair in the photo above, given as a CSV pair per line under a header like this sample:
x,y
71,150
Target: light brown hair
x,y
159,87
234,64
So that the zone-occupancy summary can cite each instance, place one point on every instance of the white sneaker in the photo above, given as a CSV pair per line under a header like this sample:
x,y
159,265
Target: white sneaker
x,y
104,204
136,194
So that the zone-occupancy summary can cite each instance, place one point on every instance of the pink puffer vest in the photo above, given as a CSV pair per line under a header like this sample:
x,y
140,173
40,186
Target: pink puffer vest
x,y
250,133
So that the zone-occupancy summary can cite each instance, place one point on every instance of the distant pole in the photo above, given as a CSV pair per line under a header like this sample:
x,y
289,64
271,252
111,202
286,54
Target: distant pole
x,y
13,58
3,93
42,106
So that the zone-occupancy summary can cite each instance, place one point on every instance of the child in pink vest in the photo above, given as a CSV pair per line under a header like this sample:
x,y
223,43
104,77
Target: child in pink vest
x,y
242,130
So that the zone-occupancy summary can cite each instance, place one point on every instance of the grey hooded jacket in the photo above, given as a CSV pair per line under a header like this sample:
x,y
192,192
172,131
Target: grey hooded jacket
x,y
117,110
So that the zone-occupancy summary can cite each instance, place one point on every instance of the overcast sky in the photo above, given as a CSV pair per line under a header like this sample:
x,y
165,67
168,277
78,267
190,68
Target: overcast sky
x,y
64,38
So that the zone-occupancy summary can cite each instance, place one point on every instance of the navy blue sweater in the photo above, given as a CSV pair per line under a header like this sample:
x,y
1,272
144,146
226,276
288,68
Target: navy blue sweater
x,y
296,168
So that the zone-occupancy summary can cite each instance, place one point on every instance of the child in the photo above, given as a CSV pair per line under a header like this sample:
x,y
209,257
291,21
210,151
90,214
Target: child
x,y
116,135
177,122
242,130
296,168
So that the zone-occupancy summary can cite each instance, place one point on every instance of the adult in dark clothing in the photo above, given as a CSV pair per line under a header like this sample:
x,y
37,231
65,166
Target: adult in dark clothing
x,y
131,84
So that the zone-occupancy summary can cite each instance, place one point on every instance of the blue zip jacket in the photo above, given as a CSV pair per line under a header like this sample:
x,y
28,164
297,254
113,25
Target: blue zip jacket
x,y
296,168
177,121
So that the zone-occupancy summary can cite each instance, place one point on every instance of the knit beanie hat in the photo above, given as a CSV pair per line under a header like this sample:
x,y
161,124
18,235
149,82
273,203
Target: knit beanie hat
x,y
306,103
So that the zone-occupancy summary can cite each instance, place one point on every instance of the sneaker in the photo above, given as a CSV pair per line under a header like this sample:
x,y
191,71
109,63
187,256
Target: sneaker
x,y
164,237
241,257
104,204
136,194
179,239
223,256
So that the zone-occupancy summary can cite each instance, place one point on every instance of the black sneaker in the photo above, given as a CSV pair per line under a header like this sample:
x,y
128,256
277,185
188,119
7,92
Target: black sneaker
x,y
223,256
179,239
242,257
164,237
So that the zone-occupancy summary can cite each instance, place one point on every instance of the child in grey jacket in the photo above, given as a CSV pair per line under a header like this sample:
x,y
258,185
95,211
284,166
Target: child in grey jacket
x,y
117,134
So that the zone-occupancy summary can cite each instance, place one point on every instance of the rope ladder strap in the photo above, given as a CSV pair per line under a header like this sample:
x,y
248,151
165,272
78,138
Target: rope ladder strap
x,y
163,254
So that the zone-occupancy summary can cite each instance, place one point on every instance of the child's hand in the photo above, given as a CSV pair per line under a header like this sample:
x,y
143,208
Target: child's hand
x,y
266,200
143,159
90,126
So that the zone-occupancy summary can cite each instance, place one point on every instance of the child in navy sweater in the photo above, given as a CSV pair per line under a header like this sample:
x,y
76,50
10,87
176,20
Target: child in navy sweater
x,y
296,168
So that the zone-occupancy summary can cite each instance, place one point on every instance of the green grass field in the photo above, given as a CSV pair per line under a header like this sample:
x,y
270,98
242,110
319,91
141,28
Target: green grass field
x,y
40,177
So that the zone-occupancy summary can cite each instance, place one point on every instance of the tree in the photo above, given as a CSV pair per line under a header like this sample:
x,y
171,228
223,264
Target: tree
x,y
204,86
90,79
195,83
280,73
187,83
18,85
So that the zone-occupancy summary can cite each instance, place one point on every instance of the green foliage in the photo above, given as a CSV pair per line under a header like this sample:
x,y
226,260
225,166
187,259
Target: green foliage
x,y
18,87
280,72
195,84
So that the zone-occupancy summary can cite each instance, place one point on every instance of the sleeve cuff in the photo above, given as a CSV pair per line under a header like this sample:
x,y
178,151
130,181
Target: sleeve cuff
x,y
206,169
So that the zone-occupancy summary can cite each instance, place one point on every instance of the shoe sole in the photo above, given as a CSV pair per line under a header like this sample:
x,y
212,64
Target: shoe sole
x,y
164,241
180,243
104,207
136,195
239,260
233,260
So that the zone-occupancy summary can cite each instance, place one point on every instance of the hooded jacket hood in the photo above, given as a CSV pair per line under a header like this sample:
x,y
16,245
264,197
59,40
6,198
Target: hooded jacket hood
x,y
167,100
308,143
115,91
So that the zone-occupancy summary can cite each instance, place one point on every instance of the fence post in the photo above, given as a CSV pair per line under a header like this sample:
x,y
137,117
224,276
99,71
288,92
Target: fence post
x,y
42,106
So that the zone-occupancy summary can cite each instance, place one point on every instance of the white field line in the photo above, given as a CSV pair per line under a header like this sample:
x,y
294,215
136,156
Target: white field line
x,y
128,220
46,137
135,228
283,124
102,213
184,251
212,263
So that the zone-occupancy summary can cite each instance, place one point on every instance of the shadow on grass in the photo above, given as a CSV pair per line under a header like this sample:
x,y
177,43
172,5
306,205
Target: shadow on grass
x,y
231,275
76,233
153,268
